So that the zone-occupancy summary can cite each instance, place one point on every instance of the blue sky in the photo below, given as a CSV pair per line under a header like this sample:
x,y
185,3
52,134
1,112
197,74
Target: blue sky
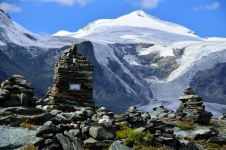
x,y
205,17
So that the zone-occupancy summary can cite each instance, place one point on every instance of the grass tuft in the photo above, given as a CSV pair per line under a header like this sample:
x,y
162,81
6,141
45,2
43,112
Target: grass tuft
x,y
28,126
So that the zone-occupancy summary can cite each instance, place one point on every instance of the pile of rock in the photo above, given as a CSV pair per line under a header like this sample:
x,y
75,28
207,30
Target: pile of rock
x,y
73,86
162,113
223,117
16,91
192,108
66,130
146,122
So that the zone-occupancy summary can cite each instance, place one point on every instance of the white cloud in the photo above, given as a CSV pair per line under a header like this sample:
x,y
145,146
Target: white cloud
x,y
69,2
145,4
9,7
215,5
149,4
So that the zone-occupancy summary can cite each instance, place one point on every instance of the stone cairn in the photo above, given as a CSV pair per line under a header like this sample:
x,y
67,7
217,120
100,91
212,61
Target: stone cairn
x,y
192,108
223,117
16,91
73,86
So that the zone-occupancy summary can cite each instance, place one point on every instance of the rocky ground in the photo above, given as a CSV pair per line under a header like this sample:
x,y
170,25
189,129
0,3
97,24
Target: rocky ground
x,y
28,125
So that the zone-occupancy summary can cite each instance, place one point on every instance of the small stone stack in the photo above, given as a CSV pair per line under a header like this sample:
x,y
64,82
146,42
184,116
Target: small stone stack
x,y
192,108
223,117
73,86
16,91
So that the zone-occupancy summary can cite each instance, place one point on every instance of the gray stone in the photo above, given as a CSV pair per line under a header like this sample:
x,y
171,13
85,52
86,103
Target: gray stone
x,y
47,108
117,145
65,142
75,132
48,123
155,113
91,142
46,130
163,114
24,99
171,115
190,145
101,133
105,122
201,134
61,118
89,113
3,95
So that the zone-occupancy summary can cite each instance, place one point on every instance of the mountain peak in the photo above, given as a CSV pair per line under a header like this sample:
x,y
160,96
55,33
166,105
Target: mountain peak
x,y
7,15
139,13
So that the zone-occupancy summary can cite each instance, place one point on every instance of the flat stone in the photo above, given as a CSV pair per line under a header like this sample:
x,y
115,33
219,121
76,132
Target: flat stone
x,y
171,115
65,142
46,130
201,134
118,145
187,97
190,145
101,133
91,142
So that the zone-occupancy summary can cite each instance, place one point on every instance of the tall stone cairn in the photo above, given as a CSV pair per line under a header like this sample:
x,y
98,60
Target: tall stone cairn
x,y
192,108
73,82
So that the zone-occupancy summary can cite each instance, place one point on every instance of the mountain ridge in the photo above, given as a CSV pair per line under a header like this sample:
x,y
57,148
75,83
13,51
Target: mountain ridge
x,y
137,20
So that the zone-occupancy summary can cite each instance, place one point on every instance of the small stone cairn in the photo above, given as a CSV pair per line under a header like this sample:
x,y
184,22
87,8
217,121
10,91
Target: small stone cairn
x,y
223,117
73,86
16,91
192,108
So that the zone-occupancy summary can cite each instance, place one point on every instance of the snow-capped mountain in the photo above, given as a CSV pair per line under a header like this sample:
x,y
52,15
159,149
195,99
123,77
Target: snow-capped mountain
x,y
133,28
139,60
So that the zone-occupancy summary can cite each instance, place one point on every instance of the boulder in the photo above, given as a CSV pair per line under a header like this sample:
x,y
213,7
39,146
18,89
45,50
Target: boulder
x,y
46,130
118,145
102,133
91,142
65,142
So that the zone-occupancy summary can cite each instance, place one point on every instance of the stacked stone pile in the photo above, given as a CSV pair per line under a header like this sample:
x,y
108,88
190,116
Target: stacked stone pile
x,y
144,121
73,84
67,131
192,108
16,91
223,117
161,113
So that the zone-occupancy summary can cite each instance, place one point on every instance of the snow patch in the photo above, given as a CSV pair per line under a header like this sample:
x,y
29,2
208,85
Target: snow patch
x,y
156,49
2,43
131,59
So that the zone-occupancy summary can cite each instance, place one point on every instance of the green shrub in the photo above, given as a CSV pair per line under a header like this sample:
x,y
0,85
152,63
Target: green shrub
x,y
29,147
213,145
133,138
153,148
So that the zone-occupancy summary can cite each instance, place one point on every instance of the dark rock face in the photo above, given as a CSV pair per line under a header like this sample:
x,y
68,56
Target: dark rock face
x,y
191,108
211,84
73,85
16,91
